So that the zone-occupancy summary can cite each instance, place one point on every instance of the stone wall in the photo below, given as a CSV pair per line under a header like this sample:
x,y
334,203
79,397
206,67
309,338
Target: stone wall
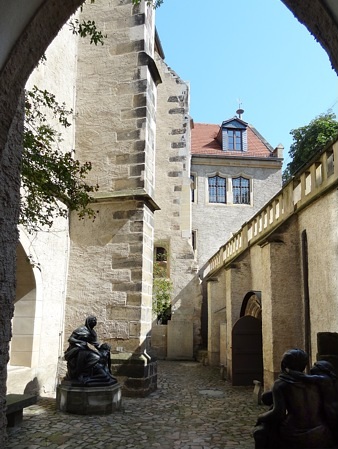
x,y
173,195
106,276
39,311
236,283
262,268
20,52
110,265
215,223
320,223
26,47
116,98
9,207
320,22
216,316
287,255
282,305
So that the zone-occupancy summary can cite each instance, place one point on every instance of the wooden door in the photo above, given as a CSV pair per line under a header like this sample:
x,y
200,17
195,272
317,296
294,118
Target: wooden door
x,y
247,354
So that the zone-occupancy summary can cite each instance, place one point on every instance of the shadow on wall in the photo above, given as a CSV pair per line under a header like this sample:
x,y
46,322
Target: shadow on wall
x,y
33,387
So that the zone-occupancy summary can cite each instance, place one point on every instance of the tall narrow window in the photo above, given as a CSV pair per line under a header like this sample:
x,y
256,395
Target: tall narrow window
x,y
235,141
241,190
193,187
194,240
217,190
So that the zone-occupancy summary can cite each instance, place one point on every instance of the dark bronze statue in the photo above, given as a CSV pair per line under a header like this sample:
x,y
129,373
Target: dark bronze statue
x,y
88,361
302,408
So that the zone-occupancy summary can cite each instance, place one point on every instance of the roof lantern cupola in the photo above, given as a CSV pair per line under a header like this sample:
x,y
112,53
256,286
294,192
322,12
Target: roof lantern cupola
x,y
239,112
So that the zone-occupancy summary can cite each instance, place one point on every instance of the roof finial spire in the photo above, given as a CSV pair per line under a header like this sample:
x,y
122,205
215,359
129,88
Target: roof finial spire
x,y
239,111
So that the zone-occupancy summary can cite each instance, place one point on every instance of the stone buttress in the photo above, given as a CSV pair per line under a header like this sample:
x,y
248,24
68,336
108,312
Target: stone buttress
x,y
111,258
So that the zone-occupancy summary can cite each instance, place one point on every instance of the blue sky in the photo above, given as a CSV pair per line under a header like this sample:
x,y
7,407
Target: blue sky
x,y
254,51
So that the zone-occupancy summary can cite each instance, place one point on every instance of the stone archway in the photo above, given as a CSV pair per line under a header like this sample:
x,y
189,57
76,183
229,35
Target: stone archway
x,y
21,49
21,353
30,43
25,347
252,305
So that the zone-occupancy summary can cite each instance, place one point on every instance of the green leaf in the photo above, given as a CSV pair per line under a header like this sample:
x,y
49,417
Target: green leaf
x,y
162,290
53,182
309,140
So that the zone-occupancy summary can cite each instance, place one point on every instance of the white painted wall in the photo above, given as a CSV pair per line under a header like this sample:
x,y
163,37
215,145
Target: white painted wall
x,y
48,248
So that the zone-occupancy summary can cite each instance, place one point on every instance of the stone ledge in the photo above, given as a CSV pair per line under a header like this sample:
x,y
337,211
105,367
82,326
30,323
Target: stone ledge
x,y
128,194
145,59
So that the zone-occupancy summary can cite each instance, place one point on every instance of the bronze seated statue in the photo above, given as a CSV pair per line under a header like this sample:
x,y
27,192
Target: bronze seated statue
x,y
88,361
303,410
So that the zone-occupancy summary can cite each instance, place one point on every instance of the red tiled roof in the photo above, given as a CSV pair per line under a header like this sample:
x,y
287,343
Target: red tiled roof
x,y
203,141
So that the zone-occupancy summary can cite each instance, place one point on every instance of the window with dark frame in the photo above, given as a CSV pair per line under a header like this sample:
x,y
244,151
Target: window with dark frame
x,y
217,189
193,186
241,190
235,139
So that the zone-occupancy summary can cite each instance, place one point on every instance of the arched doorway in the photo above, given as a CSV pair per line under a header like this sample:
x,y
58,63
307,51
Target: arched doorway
x,y
24,347
24,351
247,352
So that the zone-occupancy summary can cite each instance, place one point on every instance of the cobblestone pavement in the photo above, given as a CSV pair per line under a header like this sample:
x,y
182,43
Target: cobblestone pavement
x,y
191,409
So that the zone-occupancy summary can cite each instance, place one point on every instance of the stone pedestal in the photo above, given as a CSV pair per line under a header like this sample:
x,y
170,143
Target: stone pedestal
x,y
137,373
88,400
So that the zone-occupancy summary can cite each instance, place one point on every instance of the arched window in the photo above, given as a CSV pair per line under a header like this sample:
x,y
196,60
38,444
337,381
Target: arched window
x,y
241,190
217,190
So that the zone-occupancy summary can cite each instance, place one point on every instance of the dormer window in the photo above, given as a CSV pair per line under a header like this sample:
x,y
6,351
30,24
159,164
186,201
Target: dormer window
x,y
235,139
233,135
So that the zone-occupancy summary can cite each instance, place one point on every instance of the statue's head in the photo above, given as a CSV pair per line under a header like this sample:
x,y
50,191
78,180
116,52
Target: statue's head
x,y
323,367
91,321
294,359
